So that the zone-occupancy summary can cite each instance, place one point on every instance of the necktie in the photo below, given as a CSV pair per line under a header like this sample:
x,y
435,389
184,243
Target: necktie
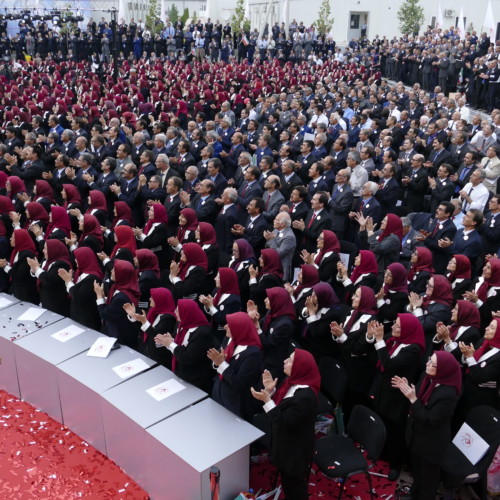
x,y
312,220
464,209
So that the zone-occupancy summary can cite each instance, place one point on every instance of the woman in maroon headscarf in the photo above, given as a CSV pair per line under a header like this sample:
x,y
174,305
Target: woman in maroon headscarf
x,y
398,355
356,354
302,288
434,307
270,275
276,328
59,224
364,273
421,270
72,200
155,233
160,318
189,348
36,218
432,404
205,236
97,206
53,294
122,217
124,290
243,257
465,326
22,282
91,235
148,268
44,194
392,298
238,365
188,223
459,274
189,277
15,186
292,411
327,256
485,292
226,300
80,287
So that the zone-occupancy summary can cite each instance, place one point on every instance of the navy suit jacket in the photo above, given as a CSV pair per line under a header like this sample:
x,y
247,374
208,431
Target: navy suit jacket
x,y
472,246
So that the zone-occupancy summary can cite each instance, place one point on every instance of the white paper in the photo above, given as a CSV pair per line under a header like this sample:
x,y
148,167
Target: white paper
x,y
5,302
31,314
165,389
101,347
67,333
470,443
308,137
130,368
344,258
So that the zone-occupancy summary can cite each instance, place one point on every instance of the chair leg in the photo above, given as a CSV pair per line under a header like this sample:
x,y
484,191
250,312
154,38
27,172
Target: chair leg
x,y
344,479
369,484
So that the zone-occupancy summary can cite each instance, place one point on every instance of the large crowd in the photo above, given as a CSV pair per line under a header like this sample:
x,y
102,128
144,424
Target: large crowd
x,y
228,216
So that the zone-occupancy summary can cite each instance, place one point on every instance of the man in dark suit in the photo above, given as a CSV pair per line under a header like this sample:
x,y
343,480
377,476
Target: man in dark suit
x,y
290,178
114,140
104,181
172,142
462,177
340,203
490,230
226,219
173,204
367,204
127,192
164,170
255,225
99,150
146,165
184,159
68,147
250,188
459,148
31,170
353,136
339,154
438,156
230,159
214,174
197,144
389,189
441,227
203,202
415,183
138,147
316,221
305,160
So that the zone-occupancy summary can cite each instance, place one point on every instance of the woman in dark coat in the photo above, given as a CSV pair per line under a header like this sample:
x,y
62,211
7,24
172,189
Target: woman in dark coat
x,y
155,234
238,366
160,318
365,273
44,194
83,307
91,235
72,199
243,257
399,355
146,263
392,298
122,217
5,250
205,235
307,277
97,206
53,293
124,289
189,348
59,224
186,232
270,275
292,411
22,282
459,274
326,257
226,300
421,270
428,431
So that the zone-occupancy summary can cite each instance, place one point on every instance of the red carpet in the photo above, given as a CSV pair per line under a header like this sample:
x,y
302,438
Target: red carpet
x,y
41,459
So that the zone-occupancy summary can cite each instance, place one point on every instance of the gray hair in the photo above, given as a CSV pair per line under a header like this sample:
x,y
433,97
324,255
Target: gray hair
x,y
87,158
212,134
247,155
354,155
481,173
67,132
285,219
161,137
162,158
406,221
232,194
373,187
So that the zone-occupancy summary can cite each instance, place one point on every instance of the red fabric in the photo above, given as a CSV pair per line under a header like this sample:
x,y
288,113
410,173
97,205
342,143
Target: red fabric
x,y
3,179
243,332
399,278
56,250
91,227
281,305
393,226
37,212
125,281
207,234
72,195
159,216
488,344
448,372
367,305
462,270
6,205
441,293
228,283
22,242
195,256
325,294
493,280
190,225
368,264
87,263
124,239
97,201
272,263
304,372
60,220
44,190
147,261
330,244
123,212
164,303
16,186
245,252
468,315
424,262
310,276
412,332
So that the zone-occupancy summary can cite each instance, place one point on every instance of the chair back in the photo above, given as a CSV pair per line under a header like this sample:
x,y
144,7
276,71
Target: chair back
x,y
367,428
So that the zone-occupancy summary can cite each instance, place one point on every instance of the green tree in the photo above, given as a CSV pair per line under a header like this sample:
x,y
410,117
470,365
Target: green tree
x,y
238,20
410,16
185,16
173,14
153,16
324,23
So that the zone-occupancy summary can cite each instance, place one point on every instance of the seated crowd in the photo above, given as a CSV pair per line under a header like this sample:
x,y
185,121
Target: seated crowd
x,y
227,220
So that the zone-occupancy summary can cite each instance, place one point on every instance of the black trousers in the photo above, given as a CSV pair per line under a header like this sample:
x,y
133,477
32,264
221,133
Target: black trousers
x,y
426,477
295,486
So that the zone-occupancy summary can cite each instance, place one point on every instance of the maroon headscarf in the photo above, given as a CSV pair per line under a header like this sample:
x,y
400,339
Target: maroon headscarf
x,y
492,281
123,212
37,212
147,261
367,264
56,250
441,293
60,220
243,332
191,223
462,270
412,332
207,234
393,226
159,216
467,315
16,185
488,344
399,278
245,251
325,294
195,256
87,263
304,372
448,372
164,303
91,227
310,276
125,281
44,190
228,283
97,201
367,305
272,262
281,305
124,239
6,205
22,242
424,262
72,195
330,244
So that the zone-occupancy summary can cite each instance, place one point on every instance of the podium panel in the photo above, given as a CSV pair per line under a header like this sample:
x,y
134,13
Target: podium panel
x,y
129,408
191,442
18,321
82,379
37,356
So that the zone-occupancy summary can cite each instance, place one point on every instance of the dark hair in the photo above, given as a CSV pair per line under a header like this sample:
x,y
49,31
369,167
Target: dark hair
x,y
449,208
302,192
259,204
